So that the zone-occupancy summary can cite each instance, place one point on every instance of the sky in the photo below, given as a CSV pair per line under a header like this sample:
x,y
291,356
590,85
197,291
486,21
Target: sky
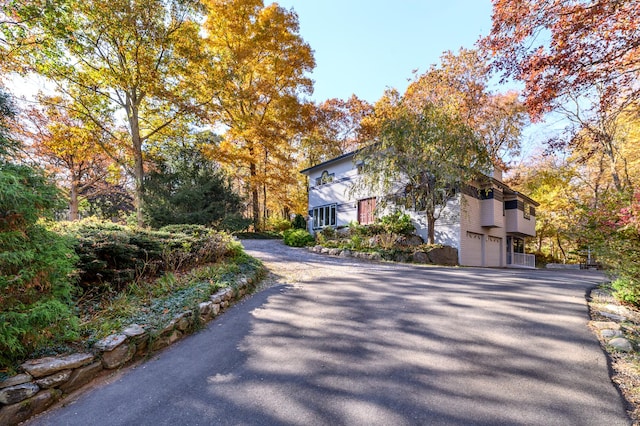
x,y
362,47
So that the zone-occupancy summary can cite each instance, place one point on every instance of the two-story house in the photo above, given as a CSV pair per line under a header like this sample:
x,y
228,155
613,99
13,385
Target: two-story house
x,y
487,222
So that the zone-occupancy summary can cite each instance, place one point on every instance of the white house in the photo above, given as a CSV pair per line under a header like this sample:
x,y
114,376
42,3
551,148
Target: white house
x,y
487,225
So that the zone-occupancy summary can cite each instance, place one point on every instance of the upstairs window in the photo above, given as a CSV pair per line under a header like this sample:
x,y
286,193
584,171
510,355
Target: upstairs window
x,y
325,177
527,211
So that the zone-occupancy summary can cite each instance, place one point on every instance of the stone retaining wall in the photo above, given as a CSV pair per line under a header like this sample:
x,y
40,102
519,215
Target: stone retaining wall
x,y
45,380
446,255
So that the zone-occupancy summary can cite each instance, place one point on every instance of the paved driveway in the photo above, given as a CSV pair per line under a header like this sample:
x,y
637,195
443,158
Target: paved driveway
x,y
341,341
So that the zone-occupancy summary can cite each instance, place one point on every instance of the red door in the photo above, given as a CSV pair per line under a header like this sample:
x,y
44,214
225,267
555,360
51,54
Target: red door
x,y
366,211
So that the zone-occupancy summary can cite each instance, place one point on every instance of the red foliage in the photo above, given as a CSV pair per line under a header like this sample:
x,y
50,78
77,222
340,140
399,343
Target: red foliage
x,y
558,47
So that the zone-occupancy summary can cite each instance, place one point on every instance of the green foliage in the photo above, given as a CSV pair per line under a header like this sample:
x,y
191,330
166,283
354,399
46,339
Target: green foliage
x,y
297,238
614,235
277,224
36,267
431,149
115,254
186,187
7,112
327,233
299,222
397,223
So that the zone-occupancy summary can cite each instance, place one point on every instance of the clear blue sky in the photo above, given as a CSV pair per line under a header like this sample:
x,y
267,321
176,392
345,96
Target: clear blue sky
x,y
364,46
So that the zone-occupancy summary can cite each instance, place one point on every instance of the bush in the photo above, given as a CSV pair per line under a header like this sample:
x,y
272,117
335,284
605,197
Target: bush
x,y
115,254
36,267
299,222
297,238
397,223
278,224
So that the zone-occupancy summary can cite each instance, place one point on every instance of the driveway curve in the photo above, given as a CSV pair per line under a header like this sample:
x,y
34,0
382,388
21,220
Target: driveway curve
x,y
346,342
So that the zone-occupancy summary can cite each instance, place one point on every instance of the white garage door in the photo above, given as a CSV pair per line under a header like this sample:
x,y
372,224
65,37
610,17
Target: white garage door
x,y
471,249
493,251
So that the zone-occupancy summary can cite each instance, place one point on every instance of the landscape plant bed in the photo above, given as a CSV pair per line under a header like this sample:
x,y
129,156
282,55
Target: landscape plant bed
x,y
153,304
612,321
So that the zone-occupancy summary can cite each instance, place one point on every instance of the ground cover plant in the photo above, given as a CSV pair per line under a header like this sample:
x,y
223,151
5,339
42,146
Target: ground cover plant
x,y
122,276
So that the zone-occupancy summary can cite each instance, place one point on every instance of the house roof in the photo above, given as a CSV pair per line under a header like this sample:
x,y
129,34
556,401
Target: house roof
x,y
326,163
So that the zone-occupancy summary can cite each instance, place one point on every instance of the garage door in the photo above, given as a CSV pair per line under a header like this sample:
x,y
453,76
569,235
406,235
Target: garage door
x,y
471,249
493,251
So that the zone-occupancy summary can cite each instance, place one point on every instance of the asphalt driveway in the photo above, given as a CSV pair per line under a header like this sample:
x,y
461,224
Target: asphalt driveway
x,y
346,342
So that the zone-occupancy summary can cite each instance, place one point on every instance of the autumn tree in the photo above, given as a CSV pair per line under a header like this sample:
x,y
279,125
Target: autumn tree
x,y
581,59
335,127
69,148
121,56
422,157
257,72
460,85
557,186
560,48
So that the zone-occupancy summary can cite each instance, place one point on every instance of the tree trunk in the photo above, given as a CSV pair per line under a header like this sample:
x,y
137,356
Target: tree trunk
x,y
431,224
255,205
138,169
73,198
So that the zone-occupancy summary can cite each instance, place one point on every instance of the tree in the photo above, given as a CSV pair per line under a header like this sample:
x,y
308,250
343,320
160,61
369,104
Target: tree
x,y
259,72
459,86
185,187
69,149
556,186
559,48
423,157
121,55
335,127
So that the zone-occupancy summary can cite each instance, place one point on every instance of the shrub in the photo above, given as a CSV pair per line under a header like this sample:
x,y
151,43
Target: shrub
x,y
299,222
397,223
278,224
36,267
115,254
297,238
328,233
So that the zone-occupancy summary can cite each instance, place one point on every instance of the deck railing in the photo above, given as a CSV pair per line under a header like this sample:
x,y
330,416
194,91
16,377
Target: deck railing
x,y
523,260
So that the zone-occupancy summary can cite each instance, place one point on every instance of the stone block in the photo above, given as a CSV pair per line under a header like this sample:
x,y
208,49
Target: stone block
x,y
205,308
420,257
444,256
54,380
134,331
119,356
18,379
215,309
42,367
183,324
176,335
621,344
81,376
18,393
109,343
16,413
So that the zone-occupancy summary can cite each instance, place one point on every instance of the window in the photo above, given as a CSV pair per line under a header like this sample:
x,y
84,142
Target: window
x,y
325,177
366,211
527,211
324,216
